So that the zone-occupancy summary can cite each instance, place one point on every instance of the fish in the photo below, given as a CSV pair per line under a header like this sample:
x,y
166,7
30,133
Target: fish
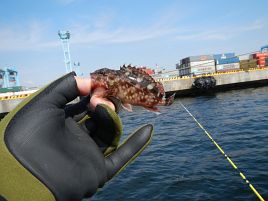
x,y
132,87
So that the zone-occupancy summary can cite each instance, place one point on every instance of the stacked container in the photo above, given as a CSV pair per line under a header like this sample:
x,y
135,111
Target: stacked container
x,y
166,74
261,58
248,63
226,62
196,65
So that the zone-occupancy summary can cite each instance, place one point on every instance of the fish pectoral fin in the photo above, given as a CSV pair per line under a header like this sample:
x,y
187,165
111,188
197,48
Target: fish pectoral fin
x,y
127,107
153,109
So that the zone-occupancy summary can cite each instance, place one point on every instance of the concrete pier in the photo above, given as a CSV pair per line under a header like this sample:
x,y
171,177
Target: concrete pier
x,y
227,80
9,100
8,105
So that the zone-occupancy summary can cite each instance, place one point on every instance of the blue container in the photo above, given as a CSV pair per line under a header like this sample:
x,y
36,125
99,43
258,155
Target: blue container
x,y
223,56
228,61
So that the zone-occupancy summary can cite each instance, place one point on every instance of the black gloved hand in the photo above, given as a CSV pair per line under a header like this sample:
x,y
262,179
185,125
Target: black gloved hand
x,y
106,137
47,155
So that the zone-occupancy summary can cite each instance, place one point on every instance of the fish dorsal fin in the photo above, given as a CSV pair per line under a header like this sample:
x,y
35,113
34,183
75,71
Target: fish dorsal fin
x,y
103,71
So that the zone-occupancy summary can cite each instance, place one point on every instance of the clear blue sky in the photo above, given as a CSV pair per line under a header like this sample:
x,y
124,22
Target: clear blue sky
x,y
109,33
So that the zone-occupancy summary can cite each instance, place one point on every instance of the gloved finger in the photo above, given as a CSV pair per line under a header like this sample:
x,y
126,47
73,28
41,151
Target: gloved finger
x,y
98,97
129,150
77,110
58,93
105,127
47,101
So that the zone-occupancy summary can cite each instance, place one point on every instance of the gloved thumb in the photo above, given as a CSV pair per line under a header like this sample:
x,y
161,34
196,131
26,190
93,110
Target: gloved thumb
x,y
129,150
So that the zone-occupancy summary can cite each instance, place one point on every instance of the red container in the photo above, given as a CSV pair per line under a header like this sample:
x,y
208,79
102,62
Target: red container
x,y
259,55
261,59
147,70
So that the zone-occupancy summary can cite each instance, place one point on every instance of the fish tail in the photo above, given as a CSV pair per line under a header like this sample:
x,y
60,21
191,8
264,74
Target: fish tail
x,y
170,100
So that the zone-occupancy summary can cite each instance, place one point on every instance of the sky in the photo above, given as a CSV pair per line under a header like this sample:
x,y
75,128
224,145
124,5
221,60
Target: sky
x,y
110,33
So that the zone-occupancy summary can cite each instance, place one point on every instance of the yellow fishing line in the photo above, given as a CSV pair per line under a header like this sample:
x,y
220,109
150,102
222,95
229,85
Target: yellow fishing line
x,y
225,155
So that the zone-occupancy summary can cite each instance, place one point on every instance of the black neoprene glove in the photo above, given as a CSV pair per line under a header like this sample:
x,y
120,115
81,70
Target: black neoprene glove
x,y
48,154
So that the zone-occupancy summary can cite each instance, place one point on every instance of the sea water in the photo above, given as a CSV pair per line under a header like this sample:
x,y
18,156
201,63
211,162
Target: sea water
x,y
181,163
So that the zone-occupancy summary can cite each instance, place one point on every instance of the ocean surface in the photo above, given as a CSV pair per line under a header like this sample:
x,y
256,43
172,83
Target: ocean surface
x,y
182,163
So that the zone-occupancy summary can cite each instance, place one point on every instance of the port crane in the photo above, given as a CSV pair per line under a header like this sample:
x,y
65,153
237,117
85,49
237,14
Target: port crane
x,y
65,37
9,78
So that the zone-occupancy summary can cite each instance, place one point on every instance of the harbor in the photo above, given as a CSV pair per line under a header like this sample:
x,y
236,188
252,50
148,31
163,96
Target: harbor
x,y
181,86
172,100
193,75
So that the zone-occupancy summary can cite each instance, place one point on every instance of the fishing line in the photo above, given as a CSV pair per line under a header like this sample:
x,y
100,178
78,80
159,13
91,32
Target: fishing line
x,y
225,155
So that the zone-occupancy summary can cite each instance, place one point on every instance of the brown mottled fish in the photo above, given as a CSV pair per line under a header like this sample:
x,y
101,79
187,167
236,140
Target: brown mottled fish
x,y
132,86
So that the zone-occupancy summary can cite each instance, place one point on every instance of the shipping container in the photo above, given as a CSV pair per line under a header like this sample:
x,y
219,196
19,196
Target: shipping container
x,y
261,63
262,54
227,67
247,64
262,58
244,57
184,72
266,61
228,60
223,56
182,66
201,63
197,67
197,58
247,61
258,55
205,69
